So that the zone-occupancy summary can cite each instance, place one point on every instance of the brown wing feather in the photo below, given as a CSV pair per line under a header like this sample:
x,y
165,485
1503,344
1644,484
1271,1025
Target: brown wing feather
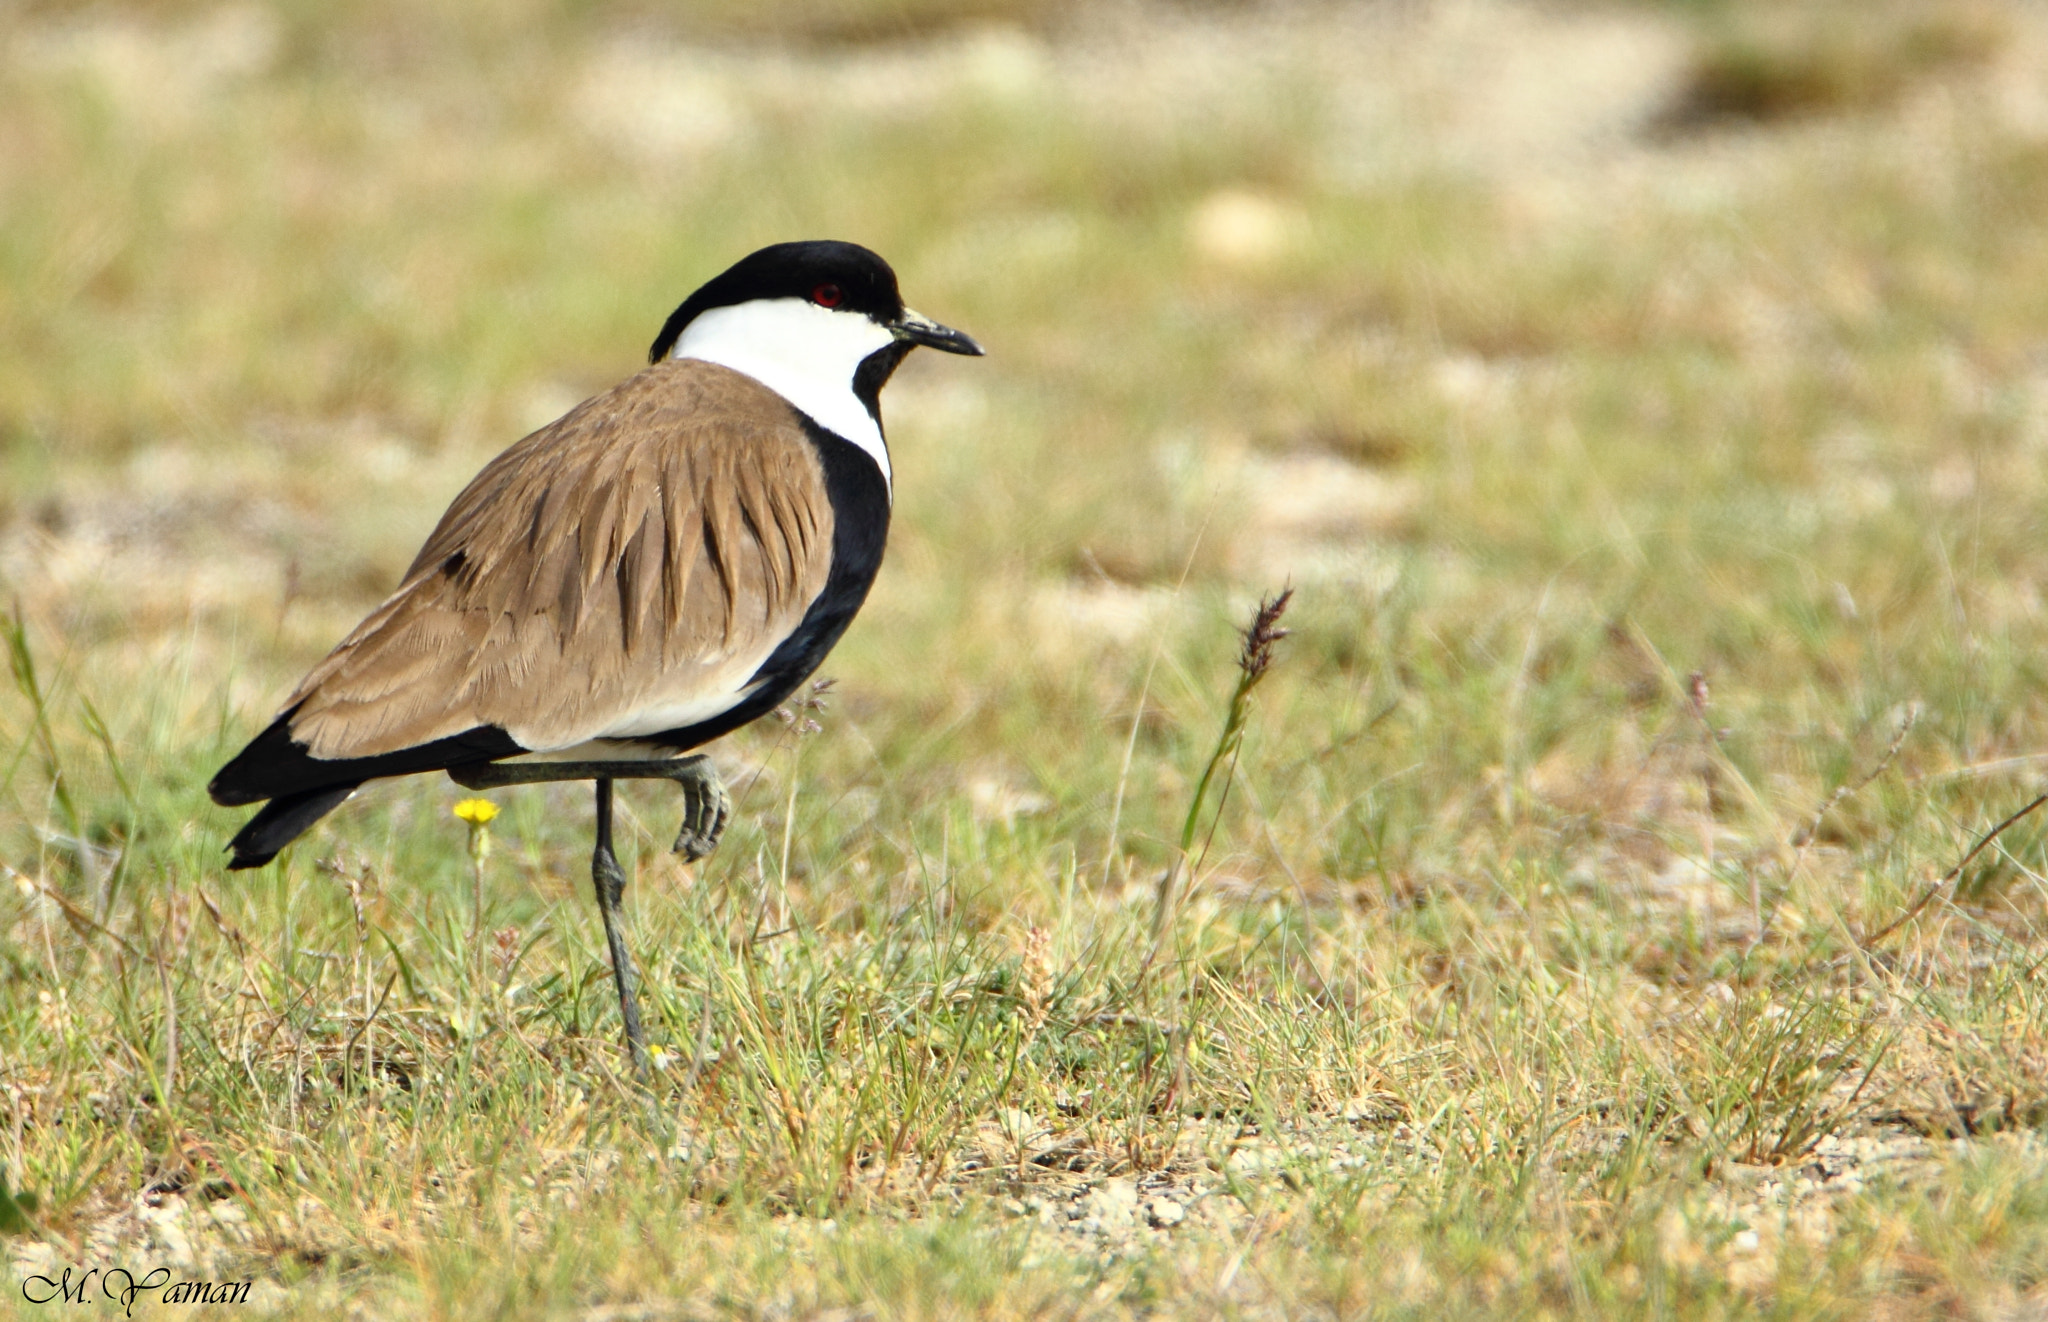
x,y
646,551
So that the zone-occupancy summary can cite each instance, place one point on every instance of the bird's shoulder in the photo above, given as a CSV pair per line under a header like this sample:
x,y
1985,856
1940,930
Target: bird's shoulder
x,y
677,399
683,430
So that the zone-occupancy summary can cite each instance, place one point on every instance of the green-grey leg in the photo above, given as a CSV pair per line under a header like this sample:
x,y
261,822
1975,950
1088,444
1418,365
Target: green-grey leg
x,y
706,809
611,887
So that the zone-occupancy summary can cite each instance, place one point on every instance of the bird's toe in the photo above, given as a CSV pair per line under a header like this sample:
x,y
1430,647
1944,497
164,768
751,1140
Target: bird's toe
x,y
706,810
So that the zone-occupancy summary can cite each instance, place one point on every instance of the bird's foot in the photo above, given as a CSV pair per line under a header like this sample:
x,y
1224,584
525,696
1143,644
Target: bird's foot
x,y
706,810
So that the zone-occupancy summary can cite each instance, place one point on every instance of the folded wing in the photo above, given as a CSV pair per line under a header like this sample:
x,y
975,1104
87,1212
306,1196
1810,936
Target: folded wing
x,y
623,571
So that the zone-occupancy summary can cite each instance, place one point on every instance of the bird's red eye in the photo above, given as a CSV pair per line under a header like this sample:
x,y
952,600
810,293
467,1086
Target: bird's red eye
x,y
827,296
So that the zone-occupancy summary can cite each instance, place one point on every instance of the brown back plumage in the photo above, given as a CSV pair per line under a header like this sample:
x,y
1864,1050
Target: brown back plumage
x,y
646,552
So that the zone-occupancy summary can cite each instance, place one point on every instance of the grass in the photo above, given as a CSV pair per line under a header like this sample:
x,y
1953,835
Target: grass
x,y
1662,514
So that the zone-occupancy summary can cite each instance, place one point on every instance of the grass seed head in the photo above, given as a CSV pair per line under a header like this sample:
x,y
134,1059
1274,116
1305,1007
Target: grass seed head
x,y
1256,658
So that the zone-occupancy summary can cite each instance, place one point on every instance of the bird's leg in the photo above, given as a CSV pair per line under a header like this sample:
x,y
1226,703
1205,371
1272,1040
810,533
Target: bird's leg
x,y
611,886
706,805
706,808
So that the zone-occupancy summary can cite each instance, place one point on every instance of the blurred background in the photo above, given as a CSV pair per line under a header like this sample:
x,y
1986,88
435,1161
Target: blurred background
x,y
1553,352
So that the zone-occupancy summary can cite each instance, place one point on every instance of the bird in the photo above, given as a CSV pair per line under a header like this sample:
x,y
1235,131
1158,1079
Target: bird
x,y
665,563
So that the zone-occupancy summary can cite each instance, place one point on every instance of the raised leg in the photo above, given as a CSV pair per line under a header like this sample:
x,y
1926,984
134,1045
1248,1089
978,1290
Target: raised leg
x,y
706,806
611,886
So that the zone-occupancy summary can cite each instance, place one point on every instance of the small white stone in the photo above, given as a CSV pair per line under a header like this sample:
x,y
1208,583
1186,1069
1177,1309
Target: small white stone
x,y
1164,1213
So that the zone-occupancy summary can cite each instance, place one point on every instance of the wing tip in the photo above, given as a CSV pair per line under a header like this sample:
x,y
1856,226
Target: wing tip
x,y
242,780
276,766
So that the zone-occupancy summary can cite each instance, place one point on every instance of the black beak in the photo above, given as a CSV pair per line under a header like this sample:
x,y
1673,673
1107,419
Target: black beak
x,y
920,329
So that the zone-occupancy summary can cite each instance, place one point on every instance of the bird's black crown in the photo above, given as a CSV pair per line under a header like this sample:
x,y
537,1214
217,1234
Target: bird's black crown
x,y
862,280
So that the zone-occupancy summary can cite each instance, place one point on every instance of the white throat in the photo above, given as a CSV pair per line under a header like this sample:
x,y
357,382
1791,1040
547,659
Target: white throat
x,y
802,352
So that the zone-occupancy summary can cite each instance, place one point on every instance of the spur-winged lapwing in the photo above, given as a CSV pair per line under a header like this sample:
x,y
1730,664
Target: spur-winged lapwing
x,y
662,565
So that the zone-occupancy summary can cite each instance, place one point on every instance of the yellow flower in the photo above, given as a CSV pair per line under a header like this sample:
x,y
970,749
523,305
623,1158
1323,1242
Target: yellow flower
x,y
476,811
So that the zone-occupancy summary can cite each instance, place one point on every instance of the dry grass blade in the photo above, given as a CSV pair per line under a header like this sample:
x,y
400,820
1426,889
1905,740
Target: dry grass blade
x,y
1948,879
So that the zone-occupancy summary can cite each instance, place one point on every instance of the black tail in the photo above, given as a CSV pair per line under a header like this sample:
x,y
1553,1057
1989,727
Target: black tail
x,y
282,821
302,788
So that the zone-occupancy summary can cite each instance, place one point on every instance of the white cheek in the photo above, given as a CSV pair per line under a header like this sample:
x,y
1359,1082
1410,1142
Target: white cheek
x,y
804,353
